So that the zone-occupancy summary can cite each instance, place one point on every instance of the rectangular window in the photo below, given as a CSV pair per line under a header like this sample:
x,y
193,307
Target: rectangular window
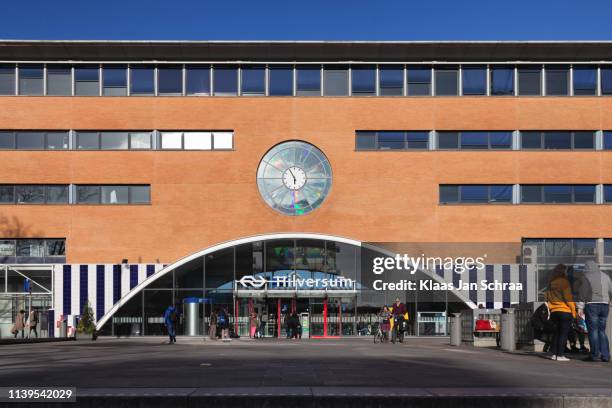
x,y
30,80
7,248
280,80
502,80
557,80
30,194
57,140
115,194
474,140
198,140
335,81
7,79
607,140
584,194
557,140
142,81
88,194
33,248
197,80
419,81
7,140
171,140
448,140
530,81
87,80
417,140
59,80
140,140
56,247
114,80
557,194
584,140
606,80
531,140
114,141
500,140
391,80
57,194
388,140
531,194
585,80
223,141
225,80
30,140
449,194
88,141
363,80
309,81
447,81
501,193
7,194
365,140
140,194
474,194
607,194
474,80
170,80
253,80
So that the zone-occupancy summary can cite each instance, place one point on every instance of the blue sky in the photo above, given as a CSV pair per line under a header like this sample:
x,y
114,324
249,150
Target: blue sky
x,y
307,19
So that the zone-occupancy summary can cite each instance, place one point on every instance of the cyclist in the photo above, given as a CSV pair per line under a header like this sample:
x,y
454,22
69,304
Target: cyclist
x,y
398,310
385,322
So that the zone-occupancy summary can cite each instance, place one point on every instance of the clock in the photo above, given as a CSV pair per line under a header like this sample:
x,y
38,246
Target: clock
x,y
294,177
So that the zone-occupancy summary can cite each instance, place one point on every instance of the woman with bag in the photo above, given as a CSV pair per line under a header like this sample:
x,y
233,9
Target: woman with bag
x,y
562,310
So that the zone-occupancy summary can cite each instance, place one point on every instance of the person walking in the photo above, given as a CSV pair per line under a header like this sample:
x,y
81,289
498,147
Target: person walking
x,y
212,325
19,324
170,318
262,325
562,310
223,320
254,324
594,294
33,323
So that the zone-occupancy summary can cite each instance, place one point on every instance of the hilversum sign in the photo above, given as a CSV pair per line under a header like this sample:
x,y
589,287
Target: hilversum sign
x,y
294,281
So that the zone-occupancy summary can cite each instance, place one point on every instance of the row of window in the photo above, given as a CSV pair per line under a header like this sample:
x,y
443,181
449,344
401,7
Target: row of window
x,y
480,140
304,80
74,194
551,248
37,248
112,140
527,194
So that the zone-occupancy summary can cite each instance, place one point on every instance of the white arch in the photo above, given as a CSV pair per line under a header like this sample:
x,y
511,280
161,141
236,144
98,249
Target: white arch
x,y
228,244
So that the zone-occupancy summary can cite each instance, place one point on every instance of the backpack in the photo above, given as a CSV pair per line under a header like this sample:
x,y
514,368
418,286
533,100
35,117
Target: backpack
x,y
540,320
222,319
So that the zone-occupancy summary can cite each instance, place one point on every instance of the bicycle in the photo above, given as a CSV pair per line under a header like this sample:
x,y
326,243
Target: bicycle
x,y
398,331
381,336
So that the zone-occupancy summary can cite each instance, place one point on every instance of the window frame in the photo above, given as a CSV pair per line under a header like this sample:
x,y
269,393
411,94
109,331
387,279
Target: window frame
x,y
572,201
489,199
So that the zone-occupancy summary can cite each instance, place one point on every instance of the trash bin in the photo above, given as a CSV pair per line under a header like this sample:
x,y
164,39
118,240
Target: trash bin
x,y
64,327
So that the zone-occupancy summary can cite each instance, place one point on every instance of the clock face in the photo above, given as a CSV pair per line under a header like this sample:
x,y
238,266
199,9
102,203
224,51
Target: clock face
x,y
294,177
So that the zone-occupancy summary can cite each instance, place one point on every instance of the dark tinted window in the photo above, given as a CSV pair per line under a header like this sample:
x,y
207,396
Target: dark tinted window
x,y
585,80
88,194
57,194
57,141
30,194
140,194
280,81
531,140
363,80
474,80
31,80
418,140
225,80
391,80
557,80
606,80
86,80
88,141
448,140
557,140
419,81
449,194
447,81
584,194
607,140
309,81
365,140
7,140
142,80
253,80
31,140
114,80
502,81
7,79
7,194
557,194
335,81
501,193
474,140
198,80
500,140
530,81
607,196
474,194
59,80
531,194
56,247
391,140
584,140
169,80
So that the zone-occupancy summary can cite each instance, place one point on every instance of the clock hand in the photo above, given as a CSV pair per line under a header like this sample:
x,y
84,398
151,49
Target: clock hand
x,y
292,175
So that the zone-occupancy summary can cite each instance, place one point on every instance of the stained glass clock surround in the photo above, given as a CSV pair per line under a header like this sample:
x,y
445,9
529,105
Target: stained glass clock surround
x,y
294,177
